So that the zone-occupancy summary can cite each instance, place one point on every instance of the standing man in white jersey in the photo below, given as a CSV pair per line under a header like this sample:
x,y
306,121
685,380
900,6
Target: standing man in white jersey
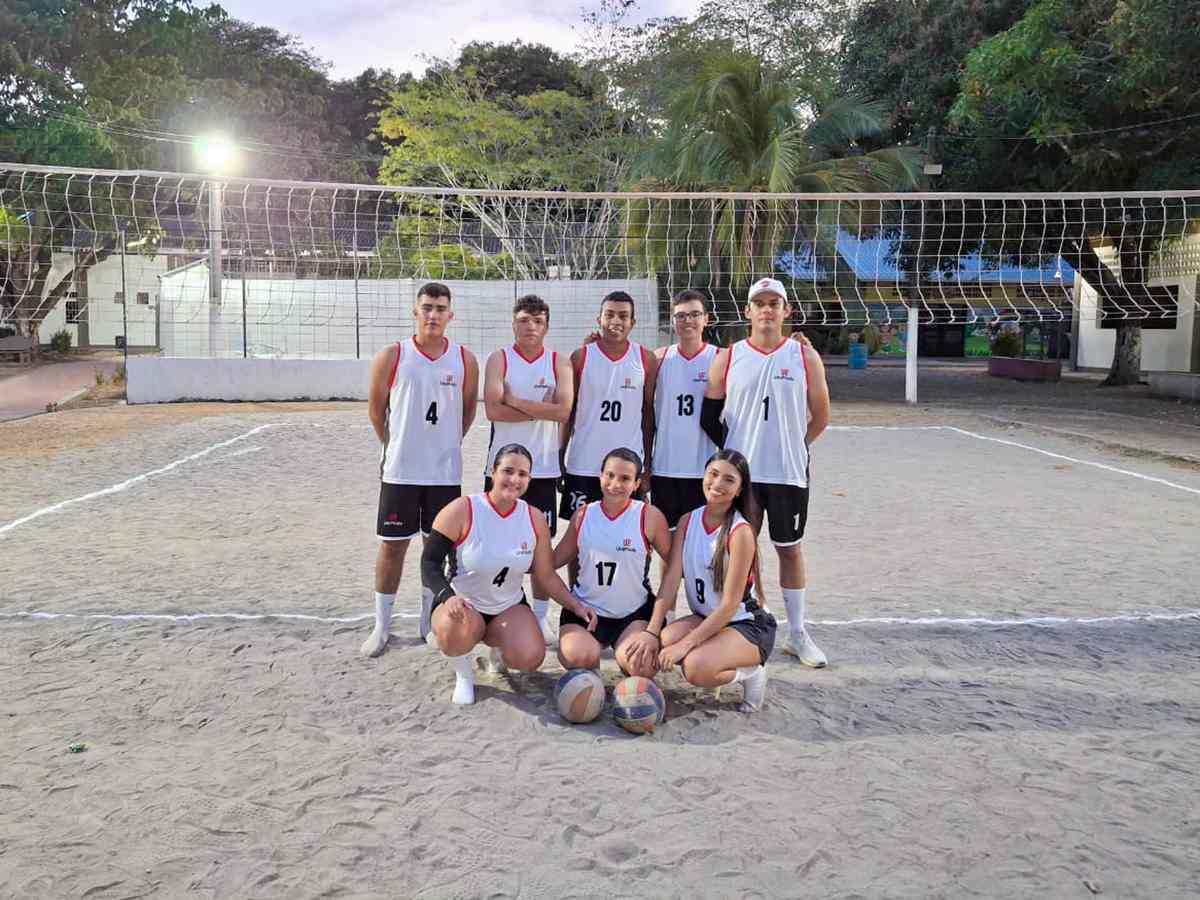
x,y
767,391
614,402
527,395
421,401
681,448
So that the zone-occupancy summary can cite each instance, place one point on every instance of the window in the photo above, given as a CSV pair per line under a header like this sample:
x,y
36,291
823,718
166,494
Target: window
x,y
76,309
119,297
143,298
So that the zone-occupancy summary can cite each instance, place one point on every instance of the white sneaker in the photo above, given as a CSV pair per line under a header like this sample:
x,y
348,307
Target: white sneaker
x,y
375,644
801,646
548,634
426,625
464,691
754,691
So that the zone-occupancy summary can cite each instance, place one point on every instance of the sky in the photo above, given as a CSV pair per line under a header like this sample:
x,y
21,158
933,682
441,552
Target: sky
x,y
353,35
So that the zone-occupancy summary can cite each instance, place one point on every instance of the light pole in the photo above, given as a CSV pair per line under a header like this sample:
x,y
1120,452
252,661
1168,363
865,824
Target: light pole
x,y
215,155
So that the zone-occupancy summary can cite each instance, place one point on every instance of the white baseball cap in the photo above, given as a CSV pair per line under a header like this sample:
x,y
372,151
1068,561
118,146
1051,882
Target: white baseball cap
x,y
767,286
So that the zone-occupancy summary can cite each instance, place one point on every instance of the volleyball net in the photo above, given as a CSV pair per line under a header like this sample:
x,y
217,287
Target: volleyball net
x,y
200,266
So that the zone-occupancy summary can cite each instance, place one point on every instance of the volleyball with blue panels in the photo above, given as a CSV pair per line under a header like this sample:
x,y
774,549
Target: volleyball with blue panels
x,y
638,705
579,695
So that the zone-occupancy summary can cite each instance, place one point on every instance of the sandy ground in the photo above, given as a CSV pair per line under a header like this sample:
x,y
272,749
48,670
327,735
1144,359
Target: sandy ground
x,y
264,758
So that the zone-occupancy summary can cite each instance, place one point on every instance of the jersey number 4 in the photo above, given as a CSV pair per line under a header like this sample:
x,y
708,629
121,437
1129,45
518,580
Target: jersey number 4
x,y
498,581
431,413
610,410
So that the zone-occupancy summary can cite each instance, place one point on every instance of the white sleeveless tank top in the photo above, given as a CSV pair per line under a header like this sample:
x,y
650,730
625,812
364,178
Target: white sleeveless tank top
x,y
608,413
489,564
425,417
614,560
766,411
681,448
702,594
529,380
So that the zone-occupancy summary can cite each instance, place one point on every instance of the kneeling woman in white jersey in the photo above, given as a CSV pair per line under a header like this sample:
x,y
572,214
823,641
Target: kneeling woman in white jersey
x,y
729,636
611,541
491,541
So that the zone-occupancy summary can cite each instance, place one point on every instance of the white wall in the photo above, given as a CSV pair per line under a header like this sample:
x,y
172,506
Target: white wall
x,y
103,313
164,380
316,318
1163,350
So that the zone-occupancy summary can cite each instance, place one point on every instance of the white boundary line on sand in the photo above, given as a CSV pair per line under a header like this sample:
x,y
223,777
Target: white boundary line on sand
x,y
967,622
1019,446
130,482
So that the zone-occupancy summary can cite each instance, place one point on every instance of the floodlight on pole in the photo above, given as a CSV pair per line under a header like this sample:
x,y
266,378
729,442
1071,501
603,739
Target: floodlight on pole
x,y
215,155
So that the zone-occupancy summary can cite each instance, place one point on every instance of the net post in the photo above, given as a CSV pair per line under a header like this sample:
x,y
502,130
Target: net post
x,y
910,357
214,264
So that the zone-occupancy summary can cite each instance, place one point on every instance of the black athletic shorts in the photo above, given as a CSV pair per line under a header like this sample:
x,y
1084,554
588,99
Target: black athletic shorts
x,y
405,509
540,495
786,508
608,631
576,491
760,631
676,497
487,617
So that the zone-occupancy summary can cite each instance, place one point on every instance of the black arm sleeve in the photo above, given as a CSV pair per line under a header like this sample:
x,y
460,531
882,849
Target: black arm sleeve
x,y
710,419
433,566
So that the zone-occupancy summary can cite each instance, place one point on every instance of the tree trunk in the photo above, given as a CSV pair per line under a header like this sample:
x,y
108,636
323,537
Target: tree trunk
x,y
1127,356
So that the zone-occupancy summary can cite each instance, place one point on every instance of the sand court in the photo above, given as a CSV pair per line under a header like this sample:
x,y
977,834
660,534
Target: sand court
x,y
1012,706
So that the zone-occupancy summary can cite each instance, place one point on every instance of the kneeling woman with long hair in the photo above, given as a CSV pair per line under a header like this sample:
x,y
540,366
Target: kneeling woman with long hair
x,y
611,542
492,540
729,636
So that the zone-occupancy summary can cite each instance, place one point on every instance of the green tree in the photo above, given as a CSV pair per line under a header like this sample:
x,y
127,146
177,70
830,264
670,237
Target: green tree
x,y
743,128
1100,92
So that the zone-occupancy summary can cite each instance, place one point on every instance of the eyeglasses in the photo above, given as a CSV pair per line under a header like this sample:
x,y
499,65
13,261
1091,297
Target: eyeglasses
x,y
688,316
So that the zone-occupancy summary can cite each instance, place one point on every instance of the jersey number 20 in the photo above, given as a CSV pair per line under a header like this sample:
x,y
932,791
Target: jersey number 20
x,y
610,410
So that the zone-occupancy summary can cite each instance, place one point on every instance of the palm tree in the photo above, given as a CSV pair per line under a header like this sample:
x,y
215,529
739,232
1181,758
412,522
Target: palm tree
x,y
742,129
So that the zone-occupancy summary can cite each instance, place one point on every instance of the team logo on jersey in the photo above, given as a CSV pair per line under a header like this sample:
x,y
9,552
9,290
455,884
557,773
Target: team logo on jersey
x,y
627,546
542,382
448,380
783,375
701,377
629,385
524,551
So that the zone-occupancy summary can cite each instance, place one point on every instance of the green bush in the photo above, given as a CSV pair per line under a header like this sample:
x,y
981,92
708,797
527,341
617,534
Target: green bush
x,y
119,375
1009,343
872,338
61,341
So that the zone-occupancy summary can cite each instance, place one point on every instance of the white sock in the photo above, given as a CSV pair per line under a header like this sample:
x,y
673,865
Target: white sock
x,y
377,640
794,603
464,678
426,624
540,609
754,686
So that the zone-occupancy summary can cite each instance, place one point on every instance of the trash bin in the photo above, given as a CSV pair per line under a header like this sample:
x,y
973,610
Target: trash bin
x,y
858,356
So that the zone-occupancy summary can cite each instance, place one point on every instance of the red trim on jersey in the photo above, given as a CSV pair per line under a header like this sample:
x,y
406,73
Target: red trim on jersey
x,y
694,355
433,358
470,522
541,353
708,530
497,510
804,366
554,367
645,539
618,515
767,352
532,524
628,344
645,356
729,537
504,356
396,365
579,524
462,353
728,366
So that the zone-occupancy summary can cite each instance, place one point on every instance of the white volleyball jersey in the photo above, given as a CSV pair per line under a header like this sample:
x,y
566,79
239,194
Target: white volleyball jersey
x,y
681,448
489,564
766,411
703,595
614,559
425,416
608,412
529,379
